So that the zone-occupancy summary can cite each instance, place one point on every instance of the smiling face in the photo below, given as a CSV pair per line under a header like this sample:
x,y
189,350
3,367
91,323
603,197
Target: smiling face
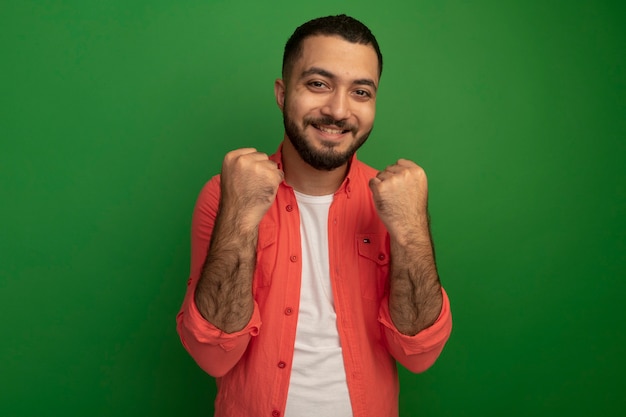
x,y
329,100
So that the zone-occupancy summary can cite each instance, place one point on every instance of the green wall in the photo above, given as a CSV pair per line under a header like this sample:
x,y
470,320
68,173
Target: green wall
x,y
114,114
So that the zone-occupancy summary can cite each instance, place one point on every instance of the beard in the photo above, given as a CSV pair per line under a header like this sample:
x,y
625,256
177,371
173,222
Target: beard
x,y
327,158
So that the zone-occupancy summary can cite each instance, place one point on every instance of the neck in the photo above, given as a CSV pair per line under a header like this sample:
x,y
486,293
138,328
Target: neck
x,y
306,179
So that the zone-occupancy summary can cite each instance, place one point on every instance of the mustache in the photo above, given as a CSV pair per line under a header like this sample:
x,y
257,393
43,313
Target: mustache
x,y
329,121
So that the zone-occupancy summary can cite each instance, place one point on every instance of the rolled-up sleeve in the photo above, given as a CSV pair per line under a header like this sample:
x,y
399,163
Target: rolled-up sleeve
x,y
419,352
213,350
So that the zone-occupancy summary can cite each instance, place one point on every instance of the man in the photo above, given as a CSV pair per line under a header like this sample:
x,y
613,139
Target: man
x,y
312,273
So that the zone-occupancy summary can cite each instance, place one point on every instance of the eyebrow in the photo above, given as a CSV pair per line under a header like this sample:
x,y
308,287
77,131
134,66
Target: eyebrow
x,y
328,74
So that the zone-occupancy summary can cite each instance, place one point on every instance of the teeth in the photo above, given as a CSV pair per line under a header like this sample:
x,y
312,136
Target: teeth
x,y
331,131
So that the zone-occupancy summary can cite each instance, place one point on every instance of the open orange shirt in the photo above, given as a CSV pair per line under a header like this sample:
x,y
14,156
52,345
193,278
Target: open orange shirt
x,y
253,366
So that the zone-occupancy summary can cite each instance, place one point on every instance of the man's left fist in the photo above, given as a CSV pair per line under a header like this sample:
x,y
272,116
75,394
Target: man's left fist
x,y
400,194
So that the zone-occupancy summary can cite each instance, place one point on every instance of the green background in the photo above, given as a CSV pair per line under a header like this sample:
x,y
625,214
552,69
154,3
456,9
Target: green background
x,y
114,114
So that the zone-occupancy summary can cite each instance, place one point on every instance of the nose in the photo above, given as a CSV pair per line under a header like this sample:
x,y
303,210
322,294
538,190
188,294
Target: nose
x,y
337,106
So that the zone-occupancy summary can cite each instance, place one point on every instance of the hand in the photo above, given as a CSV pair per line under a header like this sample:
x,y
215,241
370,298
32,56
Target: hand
x,y
249,183
400,195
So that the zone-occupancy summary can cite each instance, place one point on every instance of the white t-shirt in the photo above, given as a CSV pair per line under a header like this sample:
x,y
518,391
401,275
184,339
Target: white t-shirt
x,y
318,379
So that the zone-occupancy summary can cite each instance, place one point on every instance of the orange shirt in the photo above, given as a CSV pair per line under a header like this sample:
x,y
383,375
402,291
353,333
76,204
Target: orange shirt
x,y
253,366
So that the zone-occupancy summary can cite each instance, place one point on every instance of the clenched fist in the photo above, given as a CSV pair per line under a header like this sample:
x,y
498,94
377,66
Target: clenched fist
x,y
249,183
400,194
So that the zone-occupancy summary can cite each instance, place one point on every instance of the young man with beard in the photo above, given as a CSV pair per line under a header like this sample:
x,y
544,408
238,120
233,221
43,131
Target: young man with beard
x,y
312,273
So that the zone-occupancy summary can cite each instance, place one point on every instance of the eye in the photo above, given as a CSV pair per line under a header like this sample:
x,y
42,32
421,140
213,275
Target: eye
x,y
363,93
317,84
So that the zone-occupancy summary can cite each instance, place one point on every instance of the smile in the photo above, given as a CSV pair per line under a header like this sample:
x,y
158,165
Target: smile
x,y
330,130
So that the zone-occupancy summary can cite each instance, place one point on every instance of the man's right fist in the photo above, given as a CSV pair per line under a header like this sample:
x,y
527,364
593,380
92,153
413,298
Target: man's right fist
x,y
249,183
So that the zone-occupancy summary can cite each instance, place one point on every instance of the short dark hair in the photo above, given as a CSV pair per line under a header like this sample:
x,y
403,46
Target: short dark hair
x,y
341,25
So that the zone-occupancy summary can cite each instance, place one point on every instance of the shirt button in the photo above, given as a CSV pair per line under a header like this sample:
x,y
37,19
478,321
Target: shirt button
x,y
293,258
281,364
288,311
382,256
289,208
275,413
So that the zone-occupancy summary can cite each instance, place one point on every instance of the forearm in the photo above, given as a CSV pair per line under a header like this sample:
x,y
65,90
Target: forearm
x,y
415,297
223,295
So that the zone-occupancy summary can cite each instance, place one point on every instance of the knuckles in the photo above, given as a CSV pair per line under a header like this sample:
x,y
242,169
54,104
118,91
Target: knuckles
x,y
248,175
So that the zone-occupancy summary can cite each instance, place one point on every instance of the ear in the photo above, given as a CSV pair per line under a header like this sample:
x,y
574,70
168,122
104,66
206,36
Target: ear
x,y
279,92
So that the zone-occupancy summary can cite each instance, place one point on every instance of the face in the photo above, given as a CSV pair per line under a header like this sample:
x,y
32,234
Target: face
x,y
329,100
